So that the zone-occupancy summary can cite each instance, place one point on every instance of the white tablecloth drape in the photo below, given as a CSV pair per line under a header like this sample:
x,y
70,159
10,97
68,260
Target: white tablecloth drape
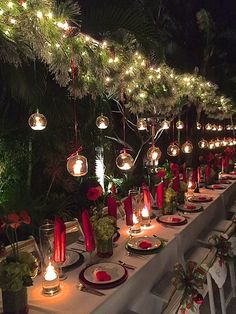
x,y
134,294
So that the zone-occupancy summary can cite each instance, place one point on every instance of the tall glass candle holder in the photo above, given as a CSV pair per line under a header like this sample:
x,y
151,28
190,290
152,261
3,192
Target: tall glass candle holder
x,y
50,277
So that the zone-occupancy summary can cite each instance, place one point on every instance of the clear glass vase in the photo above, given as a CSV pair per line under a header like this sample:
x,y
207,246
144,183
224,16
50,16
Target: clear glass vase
x,y
104,247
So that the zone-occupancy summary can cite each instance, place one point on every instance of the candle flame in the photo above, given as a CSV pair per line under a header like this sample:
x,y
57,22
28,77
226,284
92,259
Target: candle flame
x,y
78,166
50,273
145,212
135,219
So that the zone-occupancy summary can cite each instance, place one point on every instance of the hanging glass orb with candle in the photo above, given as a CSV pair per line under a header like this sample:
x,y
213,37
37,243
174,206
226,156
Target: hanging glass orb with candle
x,y
102,122
165,125
211,144
142,124
199,126
229,127
179,125
154,153
203,144
208,127
230,141
217,143
214,127
124,161
187,147
224,142
173,150
220,128
37,121
77,165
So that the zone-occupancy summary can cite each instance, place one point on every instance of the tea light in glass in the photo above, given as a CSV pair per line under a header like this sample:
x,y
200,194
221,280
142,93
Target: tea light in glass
x,y
145,217
136,228
51,284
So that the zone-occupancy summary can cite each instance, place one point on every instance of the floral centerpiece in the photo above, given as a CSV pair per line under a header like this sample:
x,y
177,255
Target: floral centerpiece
x,y
104,226
169,201
18,268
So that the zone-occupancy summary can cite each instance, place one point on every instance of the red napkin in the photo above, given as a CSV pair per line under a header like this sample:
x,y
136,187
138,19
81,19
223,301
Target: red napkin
x,y
88,231
175,172
59,241
102,275
160,195
145,244
175,219
128,211
208,172
184,173
198,174
202,198
147,198
112,206
190,207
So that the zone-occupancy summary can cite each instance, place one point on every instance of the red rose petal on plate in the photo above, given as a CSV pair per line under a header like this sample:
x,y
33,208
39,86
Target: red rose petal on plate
x,y
176,219
202,198
190,207
145,244
102,276
215,186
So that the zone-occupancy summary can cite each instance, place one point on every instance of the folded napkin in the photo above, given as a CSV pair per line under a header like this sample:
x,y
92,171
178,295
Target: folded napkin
x,y
102,275
59,241
112,206
145,244
190,207
88,231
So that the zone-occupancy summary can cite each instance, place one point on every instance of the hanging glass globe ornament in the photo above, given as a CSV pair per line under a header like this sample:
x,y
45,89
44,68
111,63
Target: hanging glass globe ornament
x,y
203,144
229,127
199,126
217,143
179,125
165,125
187,147
102,122
142,124
224,142
211,144
214,127
230,141
220,128
154,153
234,141
77,165
208,127
37,121
173,150
124,161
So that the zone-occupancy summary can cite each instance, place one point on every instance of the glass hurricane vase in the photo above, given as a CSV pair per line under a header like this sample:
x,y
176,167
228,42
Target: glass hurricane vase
x,y
104,247
15,302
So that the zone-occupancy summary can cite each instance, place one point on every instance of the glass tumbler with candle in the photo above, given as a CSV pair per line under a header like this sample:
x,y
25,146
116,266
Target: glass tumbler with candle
x,y
145,217
50,280
136,227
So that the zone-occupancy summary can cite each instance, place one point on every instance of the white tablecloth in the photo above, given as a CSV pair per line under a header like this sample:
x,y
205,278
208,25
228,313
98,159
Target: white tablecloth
x,y
135,292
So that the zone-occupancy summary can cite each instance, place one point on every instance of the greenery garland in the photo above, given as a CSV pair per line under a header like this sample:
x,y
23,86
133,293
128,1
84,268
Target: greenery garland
x,y
42,29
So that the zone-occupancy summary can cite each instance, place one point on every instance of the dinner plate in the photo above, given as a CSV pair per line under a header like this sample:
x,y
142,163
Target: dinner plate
x,y
116,272
172,220
200,199
72,257
223,181
229,176
134,243
100,285
190,208
216,187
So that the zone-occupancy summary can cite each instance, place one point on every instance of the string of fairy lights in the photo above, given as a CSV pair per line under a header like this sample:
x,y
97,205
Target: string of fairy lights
x,y
55,38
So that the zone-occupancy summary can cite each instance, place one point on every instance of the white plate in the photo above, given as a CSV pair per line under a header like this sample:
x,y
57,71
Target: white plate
x,y
71,258
202,198
184,207
116,272
172,219
217,186
134,243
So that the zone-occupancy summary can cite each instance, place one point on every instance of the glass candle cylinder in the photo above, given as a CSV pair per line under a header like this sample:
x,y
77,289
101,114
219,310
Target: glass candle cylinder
x,y
145,217
136,228
50,283
46,238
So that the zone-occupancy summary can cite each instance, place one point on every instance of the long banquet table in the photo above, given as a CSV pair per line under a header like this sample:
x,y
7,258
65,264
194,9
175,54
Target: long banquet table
x,y
134,294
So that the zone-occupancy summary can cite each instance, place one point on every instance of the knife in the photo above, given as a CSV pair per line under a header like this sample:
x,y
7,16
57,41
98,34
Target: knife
x,y
90,290
128,266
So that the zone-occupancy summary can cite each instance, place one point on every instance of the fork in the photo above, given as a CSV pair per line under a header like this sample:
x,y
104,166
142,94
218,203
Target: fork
x,y
84,288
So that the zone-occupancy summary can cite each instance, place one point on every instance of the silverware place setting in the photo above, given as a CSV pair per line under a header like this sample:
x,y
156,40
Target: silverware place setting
x,y
90,290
